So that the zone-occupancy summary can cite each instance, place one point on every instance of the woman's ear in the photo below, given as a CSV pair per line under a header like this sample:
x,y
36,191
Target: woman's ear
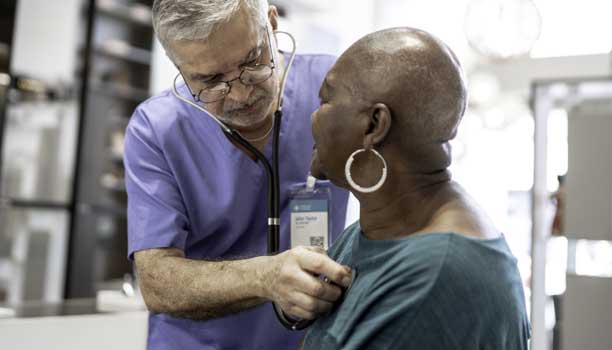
x,y
380,124
273,17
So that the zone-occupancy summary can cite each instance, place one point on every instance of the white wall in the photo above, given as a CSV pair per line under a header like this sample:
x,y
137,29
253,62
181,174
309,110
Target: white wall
x,y
517,75
163,70
46,38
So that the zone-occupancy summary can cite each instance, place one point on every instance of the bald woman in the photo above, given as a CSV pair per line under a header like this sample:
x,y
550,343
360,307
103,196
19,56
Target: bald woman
x,y
430,270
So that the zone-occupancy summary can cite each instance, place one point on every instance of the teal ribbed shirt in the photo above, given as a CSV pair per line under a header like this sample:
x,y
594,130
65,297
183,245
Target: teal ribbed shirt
x,y
426,292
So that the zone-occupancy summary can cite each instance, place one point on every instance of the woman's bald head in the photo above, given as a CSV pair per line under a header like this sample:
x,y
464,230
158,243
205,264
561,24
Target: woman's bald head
x,y
399,90
416,75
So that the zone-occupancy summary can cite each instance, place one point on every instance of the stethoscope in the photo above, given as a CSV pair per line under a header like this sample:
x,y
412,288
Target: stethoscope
x,y
271,171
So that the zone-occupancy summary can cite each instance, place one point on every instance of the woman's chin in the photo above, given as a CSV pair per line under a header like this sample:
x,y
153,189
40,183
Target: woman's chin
x,y
317,173
316,169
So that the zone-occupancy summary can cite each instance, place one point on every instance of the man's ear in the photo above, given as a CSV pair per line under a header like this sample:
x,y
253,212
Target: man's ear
x,y
380,124
273,17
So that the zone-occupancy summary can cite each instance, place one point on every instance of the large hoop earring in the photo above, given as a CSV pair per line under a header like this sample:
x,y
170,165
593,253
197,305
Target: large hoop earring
x,y
349,177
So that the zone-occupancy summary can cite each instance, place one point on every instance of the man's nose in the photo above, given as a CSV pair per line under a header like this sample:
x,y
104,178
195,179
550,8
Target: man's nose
x,y
240,92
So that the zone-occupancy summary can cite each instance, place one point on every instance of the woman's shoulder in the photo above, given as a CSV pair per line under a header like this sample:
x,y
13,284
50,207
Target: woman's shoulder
x,y
342,247
462,214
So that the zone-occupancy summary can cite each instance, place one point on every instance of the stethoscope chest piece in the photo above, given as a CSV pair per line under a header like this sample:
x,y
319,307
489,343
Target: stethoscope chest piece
x,y
345,290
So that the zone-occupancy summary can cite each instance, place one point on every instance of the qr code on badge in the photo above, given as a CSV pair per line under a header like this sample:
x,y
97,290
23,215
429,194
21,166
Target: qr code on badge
x,y
317,241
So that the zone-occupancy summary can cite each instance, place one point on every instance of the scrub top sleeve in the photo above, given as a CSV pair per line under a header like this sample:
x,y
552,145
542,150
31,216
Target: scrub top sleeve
x,y
156,213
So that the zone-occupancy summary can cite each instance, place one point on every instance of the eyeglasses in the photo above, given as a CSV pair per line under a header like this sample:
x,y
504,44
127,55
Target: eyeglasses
x,y
249,75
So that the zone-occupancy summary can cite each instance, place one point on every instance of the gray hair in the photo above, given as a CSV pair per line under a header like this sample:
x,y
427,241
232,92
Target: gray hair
x,y
197,19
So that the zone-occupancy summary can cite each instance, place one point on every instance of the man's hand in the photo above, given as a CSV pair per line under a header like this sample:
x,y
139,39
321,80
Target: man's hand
x,y
198,289
291,280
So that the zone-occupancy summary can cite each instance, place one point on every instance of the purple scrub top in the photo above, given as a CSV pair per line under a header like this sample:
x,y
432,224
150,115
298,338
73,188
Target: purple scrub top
x,y
190,188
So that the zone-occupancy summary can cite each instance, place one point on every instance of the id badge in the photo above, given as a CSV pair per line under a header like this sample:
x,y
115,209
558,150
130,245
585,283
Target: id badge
x,y
311,214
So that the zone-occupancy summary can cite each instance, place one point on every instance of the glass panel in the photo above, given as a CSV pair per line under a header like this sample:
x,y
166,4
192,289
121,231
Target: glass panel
x,y
38,151
591,258
32,254
573,210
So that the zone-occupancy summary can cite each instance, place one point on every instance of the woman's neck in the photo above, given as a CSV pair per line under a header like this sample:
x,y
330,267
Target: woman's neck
x,y
405,205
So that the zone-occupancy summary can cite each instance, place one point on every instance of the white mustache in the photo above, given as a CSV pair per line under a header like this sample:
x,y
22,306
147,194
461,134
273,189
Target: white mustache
x,y
232,109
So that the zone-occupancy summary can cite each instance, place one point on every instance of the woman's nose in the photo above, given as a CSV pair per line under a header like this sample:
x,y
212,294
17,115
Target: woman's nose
x,y
313,115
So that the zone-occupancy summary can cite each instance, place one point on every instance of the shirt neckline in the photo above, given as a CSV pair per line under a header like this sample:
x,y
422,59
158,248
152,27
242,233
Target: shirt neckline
x,y
364,247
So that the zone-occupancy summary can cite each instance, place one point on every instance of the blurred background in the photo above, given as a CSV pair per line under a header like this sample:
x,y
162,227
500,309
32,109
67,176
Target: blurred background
x,y
534,149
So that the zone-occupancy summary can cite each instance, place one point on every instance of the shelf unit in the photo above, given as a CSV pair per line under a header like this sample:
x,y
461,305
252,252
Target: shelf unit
x,y
136,13
116,67
122,51
7,24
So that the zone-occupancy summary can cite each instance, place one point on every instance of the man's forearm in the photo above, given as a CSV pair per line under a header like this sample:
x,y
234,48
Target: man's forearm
x,y
201,289
196,289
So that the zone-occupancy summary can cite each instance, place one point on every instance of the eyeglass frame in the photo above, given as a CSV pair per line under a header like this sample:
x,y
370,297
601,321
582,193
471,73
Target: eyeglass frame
x,y
272,66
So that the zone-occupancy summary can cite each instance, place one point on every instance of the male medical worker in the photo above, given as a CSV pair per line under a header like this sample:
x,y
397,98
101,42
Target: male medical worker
x,y
197,202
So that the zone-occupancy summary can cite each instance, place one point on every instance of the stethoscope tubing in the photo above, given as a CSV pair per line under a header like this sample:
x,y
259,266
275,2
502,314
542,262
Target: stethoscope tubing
x,y
272,173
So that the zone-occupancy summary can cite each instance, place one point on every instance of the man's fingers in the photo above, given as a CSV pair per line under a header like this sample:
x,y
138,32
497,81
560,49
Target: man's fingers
x,y
309,303
315,287
316,249
321,264
297,312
